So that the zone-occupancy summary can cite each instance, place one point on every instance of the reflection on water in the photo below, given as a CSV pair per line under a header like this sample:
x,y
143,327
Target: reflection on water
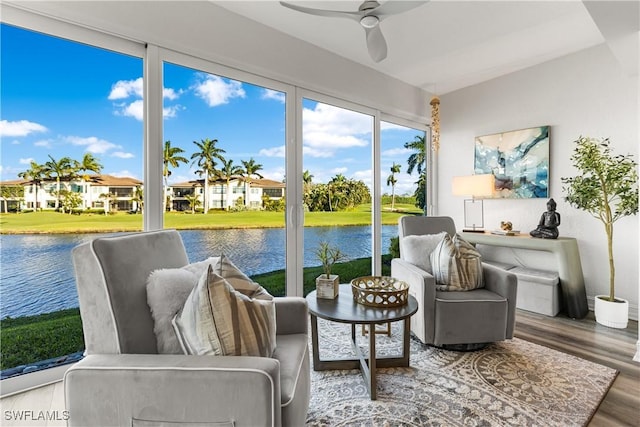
x,y
36,274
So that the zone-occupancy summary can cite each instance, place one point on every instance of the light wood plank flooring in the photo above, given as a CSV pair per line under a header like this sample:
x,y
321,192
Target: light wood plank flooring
x,y
583,338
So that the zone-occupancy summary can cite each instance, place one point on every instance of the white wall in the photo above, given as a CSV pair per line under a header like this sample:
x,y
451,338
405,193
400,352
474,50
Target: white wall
x,y
581,94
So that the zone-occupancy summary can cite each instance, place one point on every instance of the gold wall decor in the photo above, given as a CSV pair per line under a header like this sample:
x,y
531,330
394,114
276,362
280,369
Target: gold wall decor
x,y
435,123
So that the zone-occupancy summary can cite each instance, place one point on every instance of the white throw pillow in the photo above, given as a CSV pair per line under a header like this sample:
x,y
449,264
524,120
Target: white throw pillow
x,y
218,320
416,249
457,265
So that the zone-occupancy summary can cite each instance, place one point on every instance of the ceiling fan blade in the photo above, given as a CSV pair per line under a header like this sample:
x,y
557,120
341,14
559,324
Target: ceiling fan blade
x,y
395,7
322,12
376,43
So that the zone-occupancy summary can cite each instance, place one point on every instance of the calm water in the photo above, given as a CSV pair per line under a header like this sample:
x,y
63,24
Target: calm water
x,y
36,275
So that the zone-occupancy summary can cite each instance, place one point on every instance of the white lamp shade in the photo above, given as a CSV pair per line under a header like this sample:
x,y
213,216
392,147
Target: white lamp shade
x,y
473,185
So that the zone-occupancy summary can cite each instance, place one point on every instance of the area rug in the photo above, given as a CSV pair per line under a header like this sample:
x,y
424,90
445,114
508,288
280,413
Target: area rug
x,y
512,383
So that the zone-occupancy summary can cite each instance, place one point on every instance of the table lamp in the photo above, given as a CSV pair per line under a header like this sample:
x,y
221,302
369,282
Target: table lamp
x,y
478,187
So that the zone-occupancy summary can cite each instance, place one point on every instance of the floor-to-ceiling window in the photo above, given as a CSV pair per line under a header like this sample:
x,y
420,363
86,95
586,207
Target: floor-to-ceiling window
x,y
72,151
224,168
337,186
403,179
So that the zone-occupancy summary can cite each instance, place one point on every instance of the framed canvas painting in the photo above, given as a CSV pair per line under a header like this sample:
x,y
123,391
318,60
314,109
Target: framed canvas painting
x,y
518,159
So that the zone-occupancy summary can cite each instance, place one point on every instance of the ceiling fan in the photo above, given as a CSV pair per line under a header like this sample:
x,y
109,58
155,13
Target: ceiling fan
x,y
369,15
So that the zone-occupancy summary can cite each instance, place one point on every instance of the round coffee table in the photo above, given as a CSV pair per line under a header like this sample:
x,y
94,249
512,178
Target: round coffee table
x,y
344,309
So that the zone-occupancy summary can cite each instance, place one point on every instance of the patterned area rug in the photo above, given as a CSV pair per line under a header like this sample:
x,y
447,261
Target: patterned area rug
x,y
512,383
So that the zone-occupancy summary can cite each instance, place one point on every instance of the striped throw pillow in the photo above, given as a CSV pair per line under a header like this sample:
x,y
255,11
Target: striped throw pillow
x,y
218,320
456,265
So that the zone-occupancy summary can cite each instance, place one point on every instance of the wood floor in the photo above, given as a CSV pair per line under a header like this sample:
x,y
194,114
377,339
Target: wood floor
x,y
583,338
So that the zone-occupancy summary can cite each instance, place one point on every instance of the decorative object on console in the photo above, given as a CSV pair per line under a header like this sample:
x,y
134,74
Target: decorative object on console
x,y
607,188
506,225
327,284
549,221
518,159
478,187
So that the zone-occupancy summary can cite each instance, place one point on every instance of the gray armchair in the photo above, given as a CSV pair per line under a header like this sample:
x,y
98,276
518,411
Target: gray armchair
x,y
123,381
456,320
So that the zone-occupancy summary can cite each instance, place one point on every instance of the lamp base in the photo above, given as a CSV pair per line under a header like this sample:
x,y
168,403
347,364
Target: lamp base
x,y
472,230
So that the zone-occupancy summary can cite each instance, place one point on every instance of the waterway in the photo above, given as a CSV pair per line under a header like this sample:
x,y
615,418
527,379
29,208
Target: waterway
x,y
36,274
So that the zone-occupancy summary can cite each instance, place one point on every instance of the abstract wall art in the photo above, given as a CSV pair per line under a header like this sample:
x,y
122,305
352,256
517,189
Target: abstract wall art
x,y
519,160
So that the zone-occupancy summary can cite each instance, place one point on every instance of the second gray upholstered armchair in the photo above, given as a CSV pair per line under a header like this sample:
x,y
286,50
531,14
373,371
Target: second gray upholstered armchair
x,y
455,320
124,381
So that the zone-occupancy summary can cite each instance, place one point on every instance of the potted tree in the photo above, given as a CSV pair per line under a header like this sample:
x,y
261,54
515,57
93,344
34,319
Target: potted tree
x,y
327,284
607,188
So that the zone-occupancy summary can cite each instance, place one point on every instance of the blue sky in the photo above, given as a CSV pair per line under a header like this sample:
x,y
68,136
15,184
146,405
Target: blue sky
x,y
62,98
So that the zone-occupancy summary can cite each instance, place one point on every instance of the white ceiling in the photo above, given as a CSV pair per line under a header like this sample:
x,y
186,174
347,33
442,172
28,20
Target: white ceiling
x,y
445,45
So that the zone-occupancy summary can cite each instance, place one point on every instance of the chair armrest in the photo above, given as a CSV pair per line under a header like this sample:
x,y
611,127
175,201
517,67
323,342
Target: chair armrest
x,y
128,389
422,285
292,315
504,284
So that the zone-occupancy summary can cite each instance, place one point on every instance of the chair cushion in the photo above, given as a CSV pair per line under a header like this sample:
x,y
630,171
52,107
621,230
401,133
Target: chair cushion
x,y
168,290
456,265
218,320
417,249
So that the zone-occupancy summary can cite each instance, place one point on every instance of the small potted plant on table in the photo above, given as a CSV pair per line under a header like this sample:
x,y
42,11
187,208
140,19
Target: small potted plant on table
x,y
607,188
327,284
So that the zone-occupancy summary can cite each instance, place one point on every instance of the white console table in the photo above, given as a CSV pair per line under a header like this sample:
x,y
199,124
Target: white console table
x,y
568,265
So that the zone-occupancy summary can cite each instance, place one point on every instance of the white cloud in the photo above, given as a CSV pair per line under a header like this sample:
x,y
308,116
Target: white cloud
x,y
314,152
26,161
15,142
170,94
395,152
276,174
273,151
20,128
43,143
216,91
124,89
327,129
133,109
171,111
341,170
273,94
122,155
123,174
92,144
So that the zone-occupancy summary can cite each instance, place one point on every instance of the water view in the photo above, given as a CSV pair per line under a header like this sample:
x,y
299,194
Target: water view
x,y
37,275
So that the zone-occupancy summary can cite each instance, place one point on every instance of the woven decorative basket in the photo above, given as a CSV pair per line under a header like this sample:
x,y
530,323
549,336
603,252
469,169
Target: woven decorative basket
x,y
380,291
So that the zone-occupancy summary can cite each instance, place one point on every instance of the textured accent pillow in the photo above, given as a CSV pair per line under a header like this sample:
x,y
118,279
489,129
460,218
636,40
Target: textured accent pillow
x,y
416,249
457,265
218,320
240,282
167,290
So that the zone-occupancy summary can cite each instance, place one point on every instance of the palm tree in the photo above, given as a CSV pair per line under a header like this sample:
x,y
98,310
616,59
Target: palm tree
x,y
250,170
392,181
171,158
193,201
35,173
137,196
227,172
417,159
205,158
88,164
61,169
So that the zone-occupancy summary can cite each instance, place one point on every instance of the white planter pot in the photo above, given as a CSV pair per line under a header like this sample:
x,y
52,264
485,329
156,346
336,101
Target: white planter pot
x,y
327,288
611,314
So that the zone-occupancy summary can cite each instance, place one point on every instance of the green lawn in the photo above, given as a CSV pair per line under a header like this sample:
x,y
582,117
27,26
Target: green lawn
x,y
30,339
55,222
